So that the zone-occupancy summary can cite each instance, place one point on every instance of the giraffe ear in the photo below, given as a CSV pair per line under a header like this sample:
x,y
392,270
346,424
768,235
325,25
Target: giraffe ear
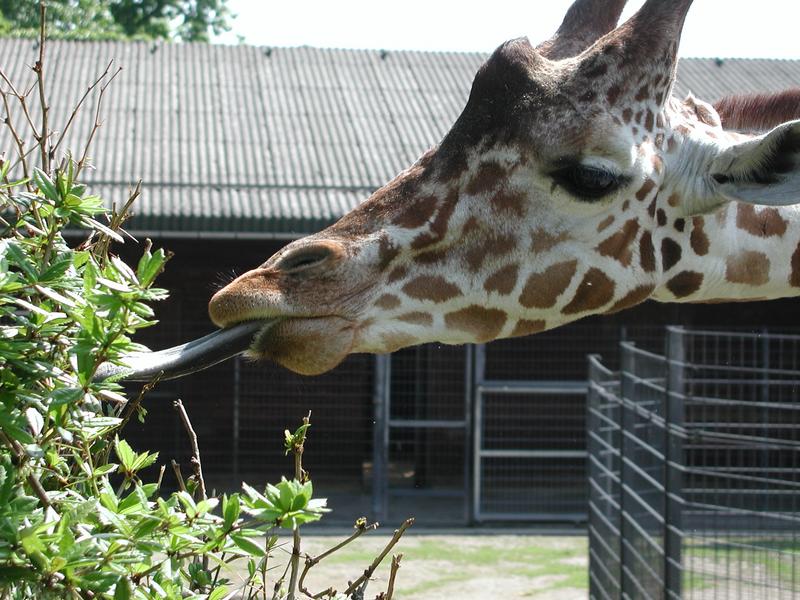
x,y
764,170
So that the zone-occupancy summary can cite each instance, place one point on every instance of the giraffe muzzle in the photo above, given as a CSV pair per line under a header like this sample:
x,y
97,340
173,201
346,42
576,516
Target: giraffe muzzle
x,y
186,358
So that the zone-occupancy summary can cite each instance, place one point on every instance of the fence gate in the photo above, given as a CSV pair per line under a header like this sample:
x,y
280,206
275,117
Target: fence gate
x,y
423,425
524,468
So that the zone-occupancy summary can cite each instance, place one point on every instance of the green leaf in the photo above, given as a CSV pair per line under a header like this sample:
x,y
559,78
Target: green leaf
x,y
230,510
125,453
219,593
18,257
122,590
247,545
57,268
45,185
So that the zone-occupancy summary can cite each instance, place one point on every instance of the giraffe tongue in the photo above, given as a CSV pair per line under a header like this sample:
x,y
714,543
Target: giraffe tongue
x,y
187,358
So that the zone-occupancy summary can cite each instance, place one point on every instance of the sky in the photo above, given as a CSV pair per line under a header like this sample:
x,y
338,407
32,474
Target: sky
x,y
760,29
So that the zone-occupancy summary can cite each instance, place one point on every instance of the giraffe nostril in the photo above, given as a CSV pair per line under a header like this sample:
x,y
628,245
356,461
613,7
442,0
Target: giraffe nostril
x,y
303,258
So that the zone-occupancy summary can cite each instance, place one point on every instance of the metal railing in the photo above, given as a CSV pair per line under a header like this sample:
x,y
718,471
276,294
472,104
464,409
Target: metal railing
x,y
694,468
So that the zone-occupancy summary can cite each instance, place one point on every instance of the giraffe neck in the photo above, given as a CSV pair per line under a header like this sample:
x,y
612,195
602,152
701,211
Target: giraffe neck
x,y
739,253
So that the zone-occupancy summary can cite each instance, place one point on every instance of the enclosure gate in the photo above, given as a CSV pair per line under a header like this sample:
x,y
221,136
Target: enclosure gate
x,y
694,469
492,455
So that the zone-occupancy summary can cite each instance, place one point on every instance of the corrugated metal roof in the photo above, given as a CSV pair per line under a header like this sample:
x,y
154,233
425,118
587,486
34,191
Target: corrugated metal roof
x,y
279,141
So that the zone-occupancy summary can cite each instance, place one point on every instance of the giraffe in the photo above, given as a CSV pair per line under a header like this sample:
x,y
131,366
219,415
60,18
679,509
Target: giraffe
x,y
573,183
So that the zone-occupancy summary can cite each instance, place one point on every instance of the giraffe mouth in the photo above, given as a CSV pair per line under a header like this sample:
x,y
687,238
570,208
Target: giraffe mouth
x,y
187,358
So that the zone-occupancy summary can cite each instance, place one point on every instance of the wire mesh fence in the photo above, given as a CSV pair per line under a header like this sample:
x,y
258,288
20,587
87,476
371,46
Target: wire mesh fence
x,y
694,478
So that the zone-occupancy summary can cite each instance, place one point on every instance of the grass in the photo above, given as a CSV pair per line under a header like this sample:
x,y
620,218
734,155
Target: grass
x,y
457,566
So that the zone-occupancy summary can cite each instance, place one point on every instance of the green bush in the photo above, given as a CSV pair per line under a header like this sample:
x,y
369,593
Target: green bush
x,y
77,517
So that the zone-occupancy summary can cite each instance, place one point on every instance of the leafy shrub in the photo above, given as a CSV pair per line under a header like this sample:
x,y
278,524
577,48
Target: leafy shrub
x,y
77,518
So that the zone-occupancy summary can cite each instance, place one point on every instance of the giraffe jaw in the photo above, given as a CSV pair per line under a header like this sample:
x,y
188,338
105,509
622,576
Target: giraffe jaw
x,y
308,346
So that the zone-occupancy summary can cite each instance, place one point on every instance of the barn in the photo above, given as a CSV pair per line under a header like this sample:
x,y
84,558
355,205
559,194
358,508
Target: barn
x,y
241,149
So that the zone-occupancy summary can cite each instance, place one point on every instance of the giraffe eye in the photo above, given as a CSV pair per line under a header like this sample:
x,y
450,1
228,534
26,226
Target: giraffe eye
x,y
587,183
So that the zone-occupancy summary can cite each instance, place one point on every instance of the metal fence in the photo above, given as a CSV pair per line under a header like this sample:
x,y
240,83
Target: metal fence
x,y
694,468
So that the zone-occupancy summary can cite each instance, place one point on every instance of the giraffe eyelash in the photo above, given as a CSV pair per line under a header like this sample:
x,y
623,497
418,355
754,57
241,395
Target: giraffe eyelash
x,y
587,183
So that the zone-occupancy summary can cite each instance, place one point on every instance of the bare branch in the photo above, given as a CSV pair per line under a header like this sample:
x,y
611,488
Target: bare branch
x,y
361,529
398,533
197,466
392,575
77,108
97,123
38,68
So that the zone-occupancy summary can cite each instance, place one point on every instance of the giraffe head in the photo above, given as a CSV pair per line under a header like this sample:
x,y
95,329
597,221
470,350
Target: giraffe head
x,y
556,194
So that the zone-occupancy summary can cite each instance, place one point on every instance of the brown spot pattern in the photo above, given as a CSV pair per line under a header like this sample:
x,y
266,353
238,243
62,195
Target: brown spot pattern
x,y
489,174
484,324
766,223
618,245
636,296
416,318
794,276
698,238
685,283
647,253
387,301
417,214
387,252
543,240
397,274
503,281
543,289
670,253
438,228
431,287
526,327
508,201
649,120
661,217
605,223
498,245
594,291
747,267
645,190
680,225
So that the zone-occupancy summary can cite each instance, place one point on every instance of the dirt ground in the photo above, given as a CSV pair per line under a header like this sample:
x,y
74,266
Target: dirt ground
x,y
457,567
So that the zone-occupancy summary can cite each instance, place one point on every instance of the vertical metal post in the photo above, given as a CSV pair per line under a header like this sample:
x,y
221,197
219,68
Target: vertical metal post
x,y
469,430
479,358
237,380
380,436
626,425
673,474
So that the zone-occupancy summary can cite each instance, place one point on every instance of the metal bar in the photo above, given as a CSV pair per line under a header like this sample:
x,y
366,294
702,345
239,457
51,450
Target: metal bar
x,y
237,380
674,460
479,357
469,433
576,517
426,424
627,366
533,387
380,447
425,493
534,453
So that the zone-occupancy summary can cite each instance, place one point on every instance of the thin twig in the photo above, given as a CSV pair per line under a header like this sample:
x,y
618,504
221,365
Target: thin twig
x,y
197,466
361,529
77,108
392,575
298,474
398,533
97,123
177,469
33,481
38,68
17,140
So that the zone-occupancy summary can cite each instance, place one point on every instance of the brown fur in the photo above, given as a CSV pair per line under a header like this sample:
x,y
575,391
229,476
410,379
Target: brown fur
x,y
636,296
685,283
431,287
482,323
387,302
605,223
488,176
645,190
647,253
747,267
492,245
417,214
503,281
526,327
512,202
794,276
670,253
594,291
543,289
698,238
543,240
416,318
618,245
759,112
767,222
